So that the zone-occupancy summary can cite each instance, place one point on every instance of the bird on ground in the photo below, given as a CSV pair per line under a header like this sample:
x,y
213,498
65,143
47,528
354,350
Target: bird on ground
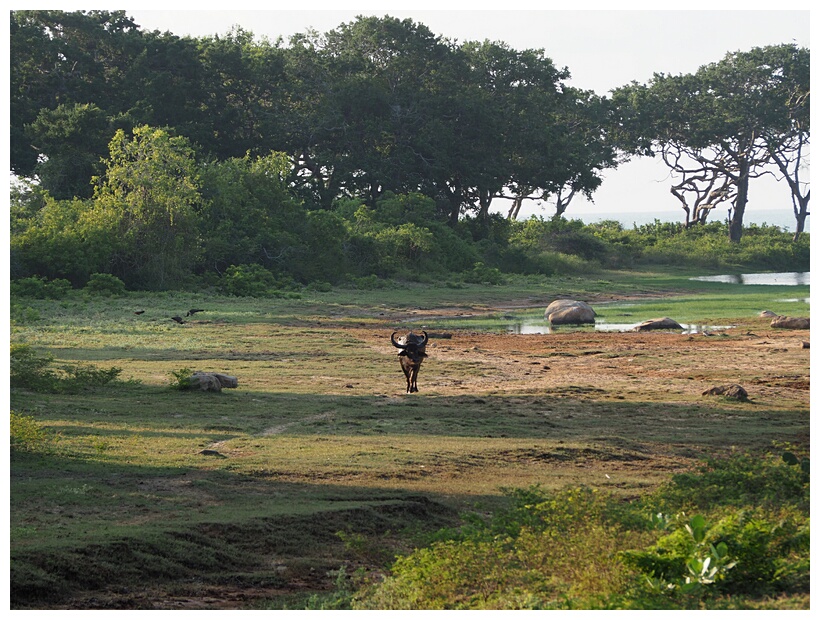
x,y
178,319
193,311
139,311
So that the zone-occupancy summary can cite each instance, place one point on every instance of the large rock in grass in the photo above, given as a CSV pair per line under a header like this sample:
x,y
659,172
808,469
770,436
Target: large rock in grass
x,y
211,381
790,322
730,391
569,312
664,323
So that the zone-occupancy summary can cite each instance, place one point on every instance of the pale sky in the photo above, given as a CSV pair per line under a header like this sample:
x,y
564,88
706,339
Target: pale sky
x,y
603,49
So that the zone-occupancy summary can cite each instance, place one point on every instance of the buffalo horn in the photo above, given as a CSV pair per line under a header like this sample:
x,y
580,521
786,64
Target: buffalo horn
x,y
396,344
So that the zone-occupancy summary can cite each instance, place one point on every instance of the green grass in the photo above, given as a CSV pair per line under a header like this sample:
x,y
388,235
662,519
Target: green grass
x,y
319,438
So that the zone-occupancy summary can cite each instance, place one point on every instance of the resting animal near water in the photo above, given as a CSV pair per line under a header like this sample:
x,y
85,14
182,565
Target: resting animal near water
x,y
412,354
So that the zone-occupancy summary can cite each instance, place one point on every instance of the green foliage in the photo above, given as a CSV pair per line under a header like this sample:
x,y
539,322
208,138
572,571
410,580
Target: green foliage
x,y
40,288
684,562
341,596
26,434
151,184
181,379
105,284
254,281
63,239
579,548
741,480
37,372
30,370
481,274
249,214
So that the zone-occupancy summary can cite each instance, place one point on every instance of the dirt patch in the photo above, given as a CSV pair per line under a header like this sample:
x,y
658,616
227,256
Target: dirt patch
x,y
773,367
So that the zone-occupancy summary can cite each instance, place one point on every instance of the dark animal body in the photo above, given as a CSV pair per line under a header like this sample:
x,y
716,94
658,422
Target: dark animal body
x,y
412,354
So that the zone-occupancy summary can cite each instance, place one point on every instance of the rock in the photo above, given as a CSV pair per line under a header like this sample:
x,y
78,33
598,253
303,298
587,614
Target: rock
x,y
768,314
211,381
215,453
664,323
790,322
805,344
569,311
731,391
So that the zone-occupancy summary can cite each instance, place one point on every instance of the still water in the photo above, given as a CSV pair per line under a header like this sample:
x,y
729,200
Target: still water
x,y
535,326
788,278
792,278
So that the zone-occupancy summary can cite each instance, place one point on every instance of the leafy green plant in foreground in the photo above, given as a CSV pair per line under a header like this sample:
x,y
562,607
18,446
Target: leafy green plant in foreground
x,y
579,548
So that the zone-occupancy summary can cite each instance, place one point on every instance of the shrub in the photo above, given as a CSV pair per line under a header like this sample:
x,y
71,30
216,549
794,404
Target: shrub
x,y
26,433
579,548
40,288
481,274
105,284
181,379
35,372
739,480
30,370
248,281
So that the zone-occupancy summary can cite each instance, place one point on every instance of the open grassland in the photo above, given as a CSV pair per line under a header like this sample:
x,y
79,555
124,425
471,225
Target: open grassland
x,y
151,497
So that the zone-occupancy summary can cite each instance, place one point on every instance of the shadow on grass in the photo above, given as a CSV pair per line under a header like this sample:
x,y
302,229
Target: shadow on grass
x,y
104,517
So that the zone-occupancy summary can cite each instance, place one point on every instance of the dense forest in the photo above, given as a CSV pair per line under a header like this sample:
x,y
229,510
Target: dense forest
x,y
370,152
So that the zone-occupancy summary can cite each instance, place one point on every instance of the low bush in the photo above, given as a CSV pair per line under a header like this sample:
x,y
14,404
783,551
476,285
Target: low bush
x,y
40,288
37,372
583,549
27,434
105,284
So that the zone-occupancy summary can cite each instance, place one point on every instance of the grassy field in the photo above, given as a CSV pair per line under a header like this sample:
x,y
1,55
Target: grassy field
x,y
144,496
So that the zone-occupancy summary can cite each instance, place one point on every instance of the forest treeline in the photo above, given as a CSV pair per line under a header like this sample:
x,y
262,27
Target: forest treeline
x,y
371,151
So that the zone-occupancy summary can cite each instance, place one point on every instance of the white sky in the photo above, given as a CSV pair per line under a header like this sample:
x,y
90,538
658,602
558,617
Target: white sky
x,y
603,49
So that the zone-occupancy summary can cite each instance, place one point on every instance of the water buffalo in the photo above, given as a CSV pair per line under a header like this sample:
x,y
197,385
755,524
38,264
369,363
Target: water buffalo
x,y
412,354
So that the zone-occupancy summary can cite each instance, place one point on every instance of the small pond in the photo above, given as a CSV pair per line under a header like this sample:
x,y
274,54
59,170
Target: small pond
x,y
542,326
786,278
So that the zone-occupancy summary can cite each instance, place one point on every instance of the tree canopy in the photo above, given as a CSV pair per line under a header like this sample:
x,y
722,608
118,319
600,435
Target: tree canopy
x,y
156,157
721,126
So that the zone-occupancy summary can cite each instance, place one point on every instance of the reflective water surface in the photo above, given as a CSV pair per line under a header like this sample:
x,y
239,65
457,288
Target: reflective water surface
x,y
535,326
786,278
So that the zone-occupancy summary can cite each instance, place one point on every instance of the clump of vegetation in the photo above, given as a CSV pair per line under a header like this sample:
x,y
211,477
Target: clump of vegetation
x,y
582,549
105,284
181,379
37,372
255,281
26,434
40,288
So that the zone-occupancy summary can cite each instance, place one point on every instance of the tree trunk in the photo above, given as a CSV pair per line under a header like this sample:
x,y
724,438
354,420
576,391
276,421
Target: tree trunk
x,y
736,223
515,208
801,211
485,199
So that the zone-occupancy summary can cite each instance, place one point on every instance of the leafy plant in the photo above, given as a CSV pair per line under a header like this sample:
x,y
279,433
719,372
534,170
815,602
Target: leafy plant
x,y
181,379
248,281
30,370
36,372
685,561
40,288
105,284
26,433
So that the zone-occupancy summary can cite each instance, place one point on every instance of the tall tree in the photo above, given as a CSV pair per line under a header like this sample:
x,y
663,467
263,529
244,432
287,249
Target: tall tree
x,y
788,143
151,185
64,58
243,94
724,119
72,140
